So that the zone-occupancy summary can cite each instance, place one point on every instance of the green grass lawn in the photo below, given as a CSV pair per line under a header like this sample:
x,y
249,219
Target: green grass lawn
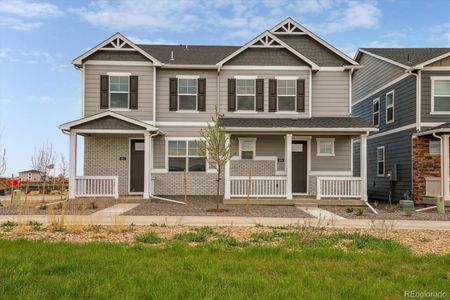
x,y
298,267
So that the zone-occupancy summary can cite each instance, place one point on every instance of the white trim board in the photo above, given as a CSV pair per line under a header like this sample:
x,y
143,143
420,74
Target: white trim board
x,y
117,63
381,58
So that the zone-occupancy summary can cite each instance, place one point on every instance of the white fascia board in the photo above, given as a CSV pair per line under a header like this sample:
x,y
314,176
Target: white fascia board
x,y
79,59
117,63
316,38
422,65
299,129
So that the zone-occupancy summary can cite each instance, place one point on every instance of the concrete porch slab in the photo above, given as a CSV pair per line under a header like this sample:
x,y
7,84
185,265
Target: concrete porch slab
x,y
320,213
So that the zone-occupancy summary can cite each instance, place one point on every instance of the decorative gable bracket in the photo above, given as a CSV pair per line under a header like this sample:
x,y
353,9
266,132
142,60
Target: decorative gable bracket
x,y
117,44
288,27
266,42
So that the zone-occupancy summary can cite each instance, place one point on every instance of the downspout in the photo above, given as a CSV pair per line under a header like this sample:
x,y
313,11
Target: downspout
x,y
418,96
310,92
350,91
154,96
366,201
442,160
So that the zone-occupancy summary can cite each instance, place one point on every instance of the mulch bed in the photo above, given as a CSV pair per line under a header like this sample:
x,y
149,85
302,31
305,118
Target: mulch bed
x,y
385,212
198,206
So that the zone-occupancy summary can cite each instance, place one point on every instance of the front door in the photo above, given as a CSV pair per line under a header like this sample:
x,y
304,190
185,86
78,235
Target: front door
x,y
299,167
137,166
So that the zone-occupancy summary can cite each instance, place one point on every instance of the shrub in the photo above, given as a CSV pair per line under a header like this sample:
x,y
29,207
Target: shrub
x,y
9,225
148,238
349,210
360,211
199,235
35,225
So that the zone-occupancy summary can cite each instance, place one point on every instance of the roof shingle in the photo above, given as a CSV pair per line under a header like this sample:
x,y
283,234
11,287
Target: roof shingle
x,y
408,56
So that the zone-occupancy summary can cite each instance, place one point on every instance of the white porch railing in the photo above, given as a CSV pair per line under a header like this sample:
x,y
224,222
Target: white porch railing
x,y
433,186
261,186
97,186
339,187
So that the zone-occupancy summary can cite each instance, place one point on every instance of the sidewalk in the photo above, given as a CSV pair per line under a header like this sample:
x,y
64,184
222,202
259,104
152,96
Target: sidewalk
x,y
230,221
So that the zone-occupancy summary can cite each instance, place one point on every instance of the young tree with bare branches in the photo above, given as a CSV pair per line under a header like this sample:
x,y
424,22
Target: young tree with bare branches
x,y
43,160
63,169
215,146
2,157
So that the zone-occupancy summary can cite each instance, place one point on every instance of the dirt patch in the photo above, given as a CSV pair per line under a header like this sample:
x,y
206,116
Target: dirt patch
x,y
419,241
202,206
387,212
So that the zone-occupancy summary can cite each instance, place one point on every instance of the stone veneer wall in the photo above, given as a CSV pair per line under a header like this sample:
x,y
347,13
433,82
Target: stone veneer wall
x,y
258,167
424,165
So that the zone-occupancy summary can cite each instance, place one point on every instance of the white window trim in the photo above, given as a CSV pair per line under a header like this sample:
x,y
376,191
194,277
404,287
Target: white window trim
x,y
241,140
429,149
184,139
433,79
295,94
379,109
110,74
325,140
392,105
178,93
245,77
384,162
253,95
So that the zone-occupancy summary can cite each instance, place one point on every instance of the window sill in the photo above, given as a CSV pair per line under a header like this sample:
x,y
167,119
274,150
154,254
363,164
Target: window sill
x,y
440,113
389,122
326,155
187,111
120,109
245,112
287,112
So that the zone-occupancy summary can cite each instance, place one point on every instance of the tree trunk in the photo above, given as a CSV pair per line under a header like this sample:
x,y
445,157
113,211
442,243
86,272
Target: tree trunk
x,y
218,188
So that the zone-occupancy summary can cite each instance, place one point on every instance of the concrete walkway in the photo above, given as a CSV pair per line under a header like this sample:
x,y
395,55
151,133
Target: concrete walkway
x,y
230,221
321,213
116,210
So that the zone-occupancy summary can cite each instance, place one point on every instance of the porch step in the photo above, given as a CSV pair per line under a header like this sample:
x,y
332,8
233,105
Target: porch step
x,y
306,204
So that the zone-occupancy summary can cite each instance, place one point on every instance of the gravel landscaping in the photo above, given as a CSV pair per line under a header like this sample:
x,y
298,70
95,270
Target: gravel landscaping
x,y
386,212
198,206
73,207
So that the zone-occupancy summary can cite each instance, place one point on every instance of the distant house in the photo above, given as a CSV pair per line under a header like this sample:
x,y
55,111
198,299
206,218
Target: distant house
x,y
30,176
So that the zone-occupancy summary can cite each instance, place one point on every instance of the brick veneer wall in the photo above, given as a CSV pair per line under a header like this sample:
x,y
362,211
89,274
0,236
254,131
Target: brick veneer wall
x,y
258,167
197,184
424,165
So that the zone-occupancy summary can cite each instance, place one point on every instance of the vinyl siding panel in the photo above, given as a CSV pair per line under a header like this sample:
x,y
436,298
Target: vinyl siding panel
x,y
162,96
374,74
426,97
266,75
340,162
330,94
404,105
92,90
445,62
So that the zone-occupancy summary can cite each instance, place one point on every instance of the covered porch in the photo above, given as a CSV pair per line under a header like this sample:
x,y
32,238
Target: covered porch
x,y
302,161
117,156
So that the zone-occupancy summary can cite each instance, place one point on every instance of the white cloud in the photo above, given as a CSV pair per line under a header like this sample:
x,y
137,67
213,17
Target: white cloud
x,y
355,15
55,61
440,34
29,9
156,41
18,24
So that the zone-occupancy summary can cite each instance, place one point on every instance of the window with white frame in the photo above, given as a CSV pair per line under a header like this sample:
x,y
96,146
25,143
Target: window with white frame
x,y
184,155
245,94
30,176
119,91
286,94
325,147
440,87
390,107
247,148
435,147
376,112
380,161
187,93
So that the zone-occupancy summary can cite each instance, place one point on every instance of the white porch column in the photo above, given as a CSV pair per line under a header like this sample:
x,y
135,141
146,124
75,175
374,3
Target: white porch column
x,y
288,164
72,164
363,165
147,165
445,165
227,187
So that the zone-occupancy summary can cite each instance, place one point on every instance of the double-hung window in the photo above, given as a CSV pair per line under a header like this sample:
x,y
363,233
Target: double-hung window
x,y
247,148
286,94
376,112
380,161
119,91
187,94
245,94
440,94
390,107
184,155
325,147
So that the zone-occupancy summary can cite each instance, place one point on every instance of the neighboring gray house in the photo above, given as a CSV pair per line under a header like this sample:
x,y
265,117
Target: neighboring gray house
x,y
285,97
30,176
405,92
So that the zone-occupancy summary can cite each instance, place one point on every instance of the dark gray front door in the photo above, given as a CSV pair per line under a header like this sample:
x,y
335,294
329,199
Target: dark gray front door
x,y
137,166
299,166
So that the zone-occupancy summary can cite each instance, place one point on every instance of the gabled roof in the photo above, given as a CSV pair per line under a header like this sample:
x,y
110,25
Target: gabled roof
x,y
268,40
29,171
67,126
406,57
189,54
290,26
117,42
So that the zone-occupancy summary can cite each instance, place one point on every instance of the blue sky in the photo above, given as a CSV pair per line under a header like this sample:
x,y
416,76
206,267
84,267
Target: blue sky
x,y
40,89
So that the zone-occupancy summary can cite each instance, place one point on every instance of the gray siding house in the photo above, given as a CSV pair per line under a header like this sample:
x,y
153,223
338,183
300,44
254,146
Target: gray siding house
x,y
284,99
405,93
